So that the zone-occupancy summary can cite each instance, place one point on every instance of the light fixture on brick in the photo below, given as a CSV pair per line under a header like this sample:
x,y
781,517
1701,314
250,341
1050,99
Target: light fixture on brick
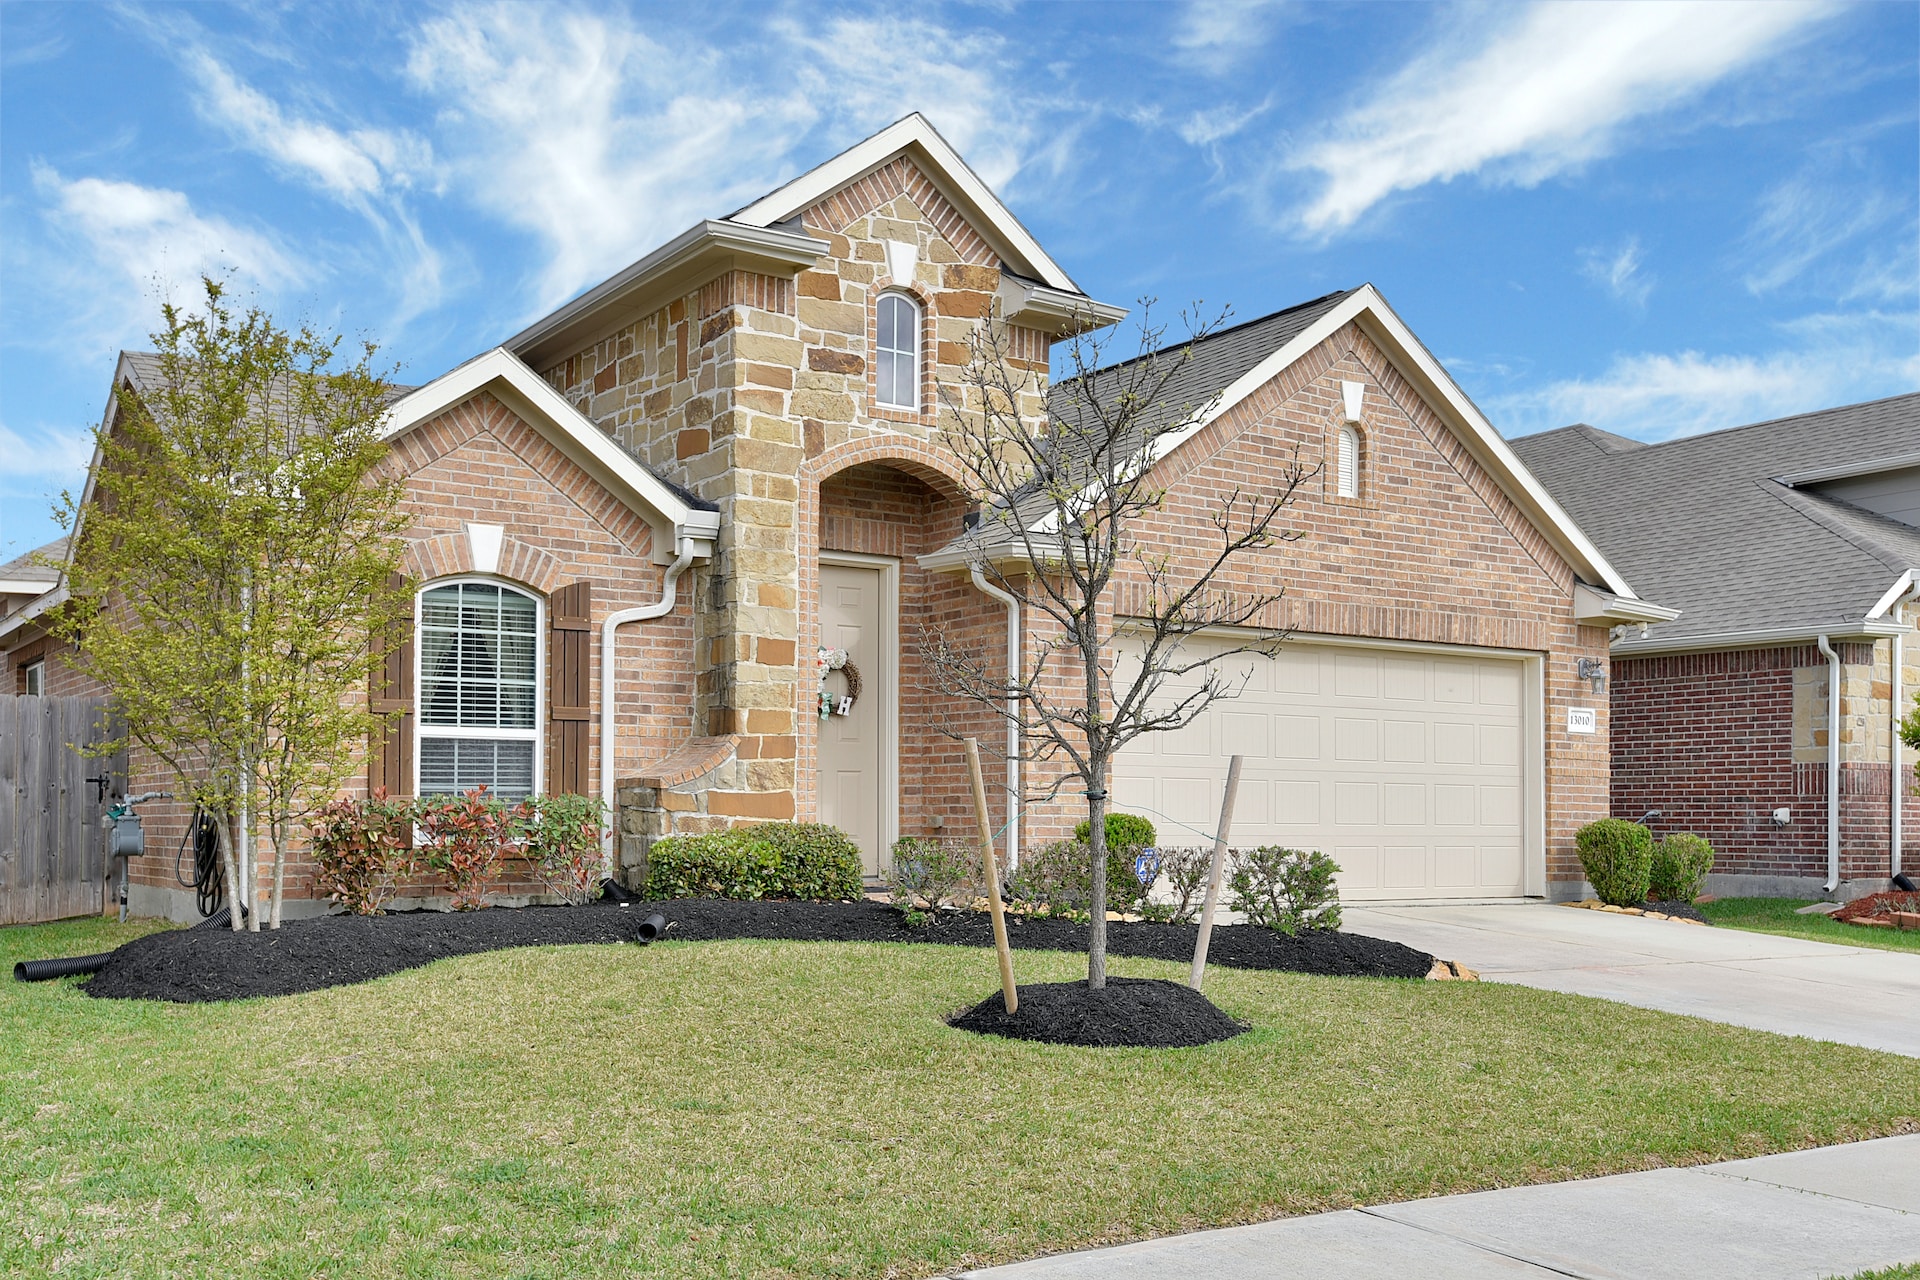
x,y
1595,671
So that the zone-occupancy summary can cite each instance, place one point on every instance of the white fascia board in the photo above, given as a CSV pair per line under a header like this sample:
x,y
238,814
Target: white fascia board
x,y
946,169
31,610
1901,586
26,586
710,241
1762,638
1847,470
499,370
1596,607
1366,306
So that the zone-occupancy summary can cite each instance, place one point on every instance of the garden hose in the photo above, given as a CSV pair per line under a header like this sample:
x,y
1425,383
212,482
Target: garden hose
x,y
208,891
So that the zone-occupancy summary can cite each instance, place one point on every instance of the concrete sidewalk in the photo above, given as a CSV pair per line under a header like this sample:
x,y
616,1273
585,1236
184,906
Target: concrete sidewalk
x,y
1852,995
1808,1215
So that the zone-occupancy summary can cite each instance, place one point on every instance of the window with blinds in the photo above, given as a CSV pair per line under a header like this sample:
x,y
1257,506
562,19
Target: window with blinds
x,y
1348,479
479,689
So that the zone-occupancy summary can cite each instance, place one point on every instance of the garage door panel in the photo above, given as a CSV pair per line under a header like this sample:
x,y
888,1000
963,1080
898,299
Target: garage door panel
x,y
1406,768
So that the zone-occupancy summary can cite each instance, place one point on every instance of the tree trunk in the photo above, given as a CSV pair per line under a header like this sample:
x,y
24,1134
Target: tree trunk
x,y
249,865
279,872
230,867
1097,839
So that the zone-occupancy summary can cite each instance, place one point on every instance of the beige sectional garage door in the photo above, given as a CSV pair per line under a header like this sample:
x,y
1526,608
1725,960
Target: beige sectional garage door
x,y
1406,766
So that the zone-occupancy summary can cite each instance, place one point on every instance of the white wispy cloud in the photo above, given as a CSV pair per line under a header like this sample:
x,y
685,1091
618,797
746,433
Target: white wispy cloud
x,y
1545,93
123,245
1806,219
1215,36
1822,360
1618,271
43,452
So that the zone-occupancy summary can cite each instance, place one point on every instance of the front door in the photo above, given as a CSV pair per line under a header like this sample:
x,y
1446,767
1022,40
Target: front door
x,y
850,745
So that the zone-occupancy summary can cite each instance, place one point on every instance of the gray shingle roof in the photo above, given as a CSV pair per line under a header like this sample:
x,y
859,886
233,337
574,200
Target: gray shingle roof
x,y
1704,524
23,569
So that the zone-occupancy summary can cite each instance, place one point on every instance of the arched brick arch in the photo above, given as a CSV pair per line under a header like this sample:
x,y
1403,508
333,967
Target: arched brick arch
x,y
921,459
451,554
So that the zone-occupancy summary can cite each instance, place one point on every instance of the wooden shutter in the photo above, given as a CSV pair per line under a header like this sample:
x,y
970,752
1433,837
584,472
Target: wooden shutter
x,y
570,687
390,747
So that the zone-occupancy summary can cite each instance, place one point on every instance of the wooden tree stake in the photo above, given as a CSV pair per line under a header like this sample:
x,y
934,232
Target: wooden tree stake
x,y
1215,874
992,864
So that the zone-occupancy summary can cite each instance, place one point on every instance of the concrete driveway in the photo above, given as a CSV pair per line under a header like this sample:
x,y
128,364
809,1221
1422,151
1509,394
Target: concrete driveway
x,y
1853,995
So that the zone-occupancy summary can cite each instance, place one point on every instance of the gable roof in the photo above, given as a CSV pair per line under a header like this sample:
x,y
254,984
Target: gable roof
x,y
1231,365
766,238
675,514
1715,524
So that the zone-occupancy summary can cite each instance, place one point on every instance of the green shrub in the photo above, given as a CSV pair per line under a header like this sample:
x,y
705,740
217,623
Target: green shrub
x,y
563,845
358,847
810,860
1185,870
1124,831
928,871
1617,856
1680,865
1286,889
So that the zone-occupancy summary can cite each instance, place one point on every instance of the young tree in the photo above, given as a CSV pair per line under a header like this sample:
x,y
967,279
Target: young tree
x,y
1061,502
231,558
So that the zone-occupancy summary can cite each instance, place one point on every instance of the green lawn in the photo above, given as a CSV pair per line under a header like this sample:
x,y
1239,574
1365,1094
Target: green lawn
x,y
1776,915
792,1109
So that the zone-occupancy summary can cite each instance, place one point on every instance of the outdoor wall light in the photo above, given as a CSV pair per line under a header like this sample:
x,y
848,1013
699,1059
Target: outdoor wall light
x,y
1595,671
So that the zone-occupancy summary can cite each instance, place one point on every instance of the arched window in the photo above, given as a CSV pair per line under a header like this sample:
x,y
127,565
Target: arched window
x,y
1348,478
896,359
479,689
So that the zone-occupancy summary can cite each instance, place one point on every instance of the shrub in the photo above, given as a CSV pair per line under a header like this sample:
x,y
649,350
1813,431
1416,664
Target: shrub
x,y
809,860
358,847
1286,889
465,837
1617,856
1128,835
1124,831
1054,880
928,870
1185,869
563,845
1680,865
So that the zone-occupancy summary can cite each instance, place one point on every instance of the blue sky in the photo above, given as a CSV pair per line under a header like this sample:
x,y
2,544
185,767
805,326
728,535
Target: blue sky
x,y
1659,219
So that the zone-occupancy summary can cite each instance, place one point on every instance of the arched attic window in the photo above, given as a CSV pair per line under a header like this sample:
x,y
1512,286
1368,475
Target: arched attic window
x,y
896,359
479,690
1347,476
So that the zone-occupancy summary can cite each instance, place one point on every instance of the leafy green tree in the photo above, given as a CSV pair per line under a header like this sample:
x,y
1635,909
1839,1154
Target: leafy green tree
x,y
232,556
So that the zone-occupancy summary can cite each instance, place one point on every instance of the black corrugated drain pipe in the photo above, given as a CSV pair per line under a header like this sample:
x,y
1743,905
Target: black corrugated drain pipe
x,y
60,967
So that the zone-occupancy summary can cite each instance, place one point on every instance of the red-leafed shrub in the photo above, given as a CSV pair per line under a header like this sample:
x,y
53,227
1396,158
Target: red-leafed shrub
x,y
465,836
359,846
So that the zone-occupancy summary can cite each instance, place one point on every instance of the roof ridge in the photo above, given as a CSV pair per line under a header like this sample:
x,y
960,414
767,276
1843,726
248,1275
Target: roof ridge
x,y
1649,445
1808,506
1197,343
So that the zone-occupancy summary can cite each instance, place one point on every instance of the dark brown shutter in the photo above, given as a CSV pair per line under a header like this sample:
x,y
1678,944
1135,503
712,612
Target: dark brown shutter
x,y
390,747
570,688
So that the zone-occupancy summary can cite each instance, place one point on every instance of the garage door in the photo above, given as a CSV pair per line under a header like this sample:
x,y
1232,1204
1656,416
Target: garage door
x,y
1405,766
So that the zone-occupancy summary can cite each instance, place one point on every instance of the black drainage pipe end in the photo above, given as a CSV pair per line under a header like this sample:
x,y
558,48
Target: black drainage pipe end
x,y
652,927
60,967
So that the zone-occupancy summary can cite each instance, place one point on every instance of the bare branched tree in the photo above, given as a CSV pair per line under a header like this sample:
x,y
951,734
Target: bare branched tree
x,y
1060,501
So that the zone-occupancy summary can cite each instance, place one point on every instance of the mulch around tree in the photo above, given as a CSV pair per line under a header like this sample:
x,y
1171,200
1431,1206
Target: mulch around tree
x,y
1884,903
1146,1013
195,965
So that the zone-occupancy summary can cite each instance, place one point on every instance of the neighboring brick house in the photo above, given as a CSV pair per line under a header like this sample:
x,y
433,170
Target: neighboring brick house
x,y
28,586
1773,539
729,455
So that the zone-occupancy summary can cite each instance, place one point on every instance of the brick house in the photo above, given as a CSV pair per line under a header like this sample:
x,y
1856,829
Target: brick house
x,y
1764,716
647,512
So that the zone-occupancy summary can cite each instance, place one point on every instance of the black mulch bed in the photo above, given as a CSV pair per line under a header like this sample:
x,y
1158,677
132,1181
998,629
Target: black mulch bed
x,y
1675,907
1145,1013
191,965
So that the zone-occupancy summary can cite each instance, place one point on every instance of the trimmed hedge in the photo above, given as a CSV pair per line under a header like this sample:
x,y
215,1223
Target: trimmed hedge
x,y
1617,856
1680,865
806,860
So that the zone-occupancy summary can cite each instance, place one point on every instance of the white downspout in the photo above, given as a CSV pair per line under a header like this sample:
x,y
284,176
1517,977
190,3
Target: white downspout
x,y
1833,765
1013,714
668,590
1894,744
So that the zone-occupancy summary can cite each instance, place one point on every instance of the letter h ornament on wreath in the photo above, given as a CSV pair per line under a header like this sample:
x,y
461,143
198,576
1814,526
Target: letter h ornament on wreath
x,y
831,703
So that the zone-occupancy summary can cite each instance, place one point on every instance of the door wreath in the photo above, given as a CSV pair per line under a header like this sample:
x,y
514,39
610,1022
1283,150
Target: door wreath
x,y
832,704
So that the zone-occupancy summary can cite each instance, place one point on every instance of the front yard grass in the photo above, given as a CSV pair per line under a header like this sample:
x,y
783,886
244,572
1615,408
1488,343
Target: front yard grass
x,y
800,1109
1776,915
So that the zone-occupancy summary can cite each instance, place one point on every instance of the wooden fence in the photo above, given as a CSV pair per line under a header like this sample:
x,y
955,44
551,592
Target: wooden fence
x,y
53,857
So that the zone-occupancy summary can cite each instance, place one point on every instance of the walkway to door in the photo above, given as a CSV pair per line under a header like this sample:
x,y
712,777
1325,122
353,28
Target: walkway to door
x,y
1853,995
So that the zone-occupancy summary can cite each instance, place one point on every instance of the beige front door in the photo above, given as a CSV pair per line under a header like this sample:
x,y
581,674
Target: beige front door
x,y
851,773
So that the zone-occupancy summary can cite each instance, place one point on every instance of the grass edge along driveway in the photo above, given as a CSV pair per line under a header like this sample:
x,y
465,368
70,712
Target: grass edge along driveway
x,y
1777,916
801,1109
